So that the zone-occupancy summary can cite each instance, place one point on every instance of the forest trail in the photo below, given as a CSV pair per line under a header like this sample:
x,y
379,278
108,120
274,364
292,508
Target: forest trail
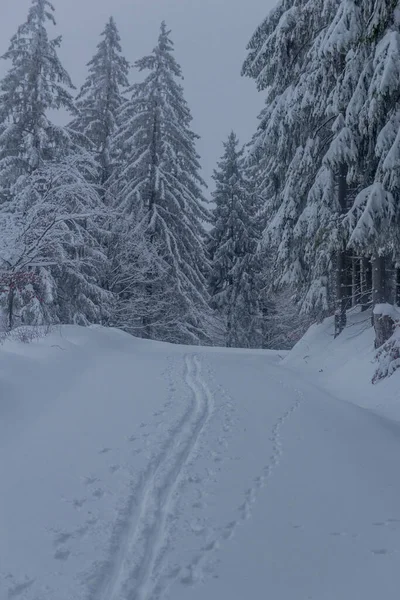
x,y
159,471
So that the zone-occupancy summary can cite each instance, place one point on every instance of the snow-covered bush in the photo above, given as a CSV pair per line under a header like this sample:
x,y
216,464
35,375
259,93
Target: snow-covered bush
x,y
21,298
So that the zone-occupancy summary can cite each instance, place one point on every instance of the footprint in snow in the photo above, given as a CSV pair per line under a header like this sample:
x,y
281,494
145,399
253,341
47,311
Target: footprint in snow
x,y
20,588
62,554
98,493
380,551
105,450
90,480
62,538
194,479
82,531
78,502
92,520
114,468
229,530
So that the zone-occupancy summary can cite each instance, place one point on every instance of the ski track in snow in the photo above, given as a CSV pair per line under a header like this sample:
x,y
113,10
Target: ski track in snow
x,y
195,570
143,535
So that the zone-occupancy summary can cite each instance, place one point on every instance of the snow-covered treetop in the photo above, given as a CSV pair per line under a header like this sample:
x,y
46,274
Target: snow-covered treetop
x,y
35,83
36,80
101,96
162,56
281,45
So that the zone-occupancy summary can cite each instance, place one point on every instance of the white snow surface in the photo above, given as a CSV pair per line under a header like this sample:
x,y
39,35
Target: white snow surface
x,y
346,365
135,470
387,310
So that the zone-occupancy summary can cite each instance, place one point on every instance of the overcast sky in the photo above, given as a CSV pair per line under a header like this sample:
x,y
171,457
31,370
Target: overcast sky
x,y
210,44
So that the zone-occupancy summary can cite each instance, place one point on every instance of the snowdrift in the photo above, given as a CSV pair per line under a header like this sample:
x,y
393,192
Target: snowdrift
x,y
345,366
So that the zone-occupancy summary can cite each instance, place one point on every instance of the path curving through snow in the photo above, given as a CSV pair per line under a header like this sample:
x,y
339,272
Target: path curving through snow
x,y
145,471
134,569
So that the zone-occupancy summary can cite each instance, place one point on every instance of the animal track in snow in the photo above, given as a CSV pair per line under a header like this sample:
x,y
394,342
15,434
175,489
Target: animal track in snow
x,y
193,571
78,502
62,554
90,480
62,538
17,589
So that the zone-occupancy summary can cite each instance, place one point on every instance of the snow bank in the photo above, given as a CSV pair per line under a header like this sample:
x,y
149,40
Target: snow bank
x,y
345,366
387,310
34,376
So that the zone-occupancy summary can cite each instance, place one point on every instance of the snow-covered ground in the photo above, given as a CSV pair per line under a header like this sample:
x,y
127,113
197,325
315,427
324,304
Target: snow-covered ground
x,y
134,470
346,365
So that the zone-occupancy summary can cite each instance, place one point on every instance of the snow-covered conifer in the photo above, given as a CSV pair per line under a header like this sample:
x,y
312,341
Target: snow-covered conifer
x,y
35,83
285,58
327,146
50,220
159,192
101,97
49,246
235,275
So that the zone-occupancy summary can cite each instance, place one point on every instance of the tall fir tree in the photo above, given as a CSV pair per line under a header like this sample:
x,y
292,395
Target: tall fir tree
x,y
159,193
327,149
101,97
285,58
235,280
36,83
50,216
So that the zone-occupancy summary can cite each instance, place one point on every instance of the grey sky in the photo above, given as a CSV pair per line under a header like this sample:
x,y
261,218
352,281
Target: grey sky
x,y
210,39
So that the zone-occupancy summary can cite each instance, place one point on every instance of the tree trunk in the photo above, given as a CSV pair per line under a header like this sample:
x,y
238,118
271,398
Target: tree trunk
x,y
396,285
341,292
365,283
10,308
341,259
383,324
151,202
355,281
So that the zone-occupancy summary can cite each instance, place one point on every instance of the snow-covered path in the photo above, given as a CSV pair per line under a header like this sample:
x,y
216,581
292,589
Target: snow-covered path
x,y
133,470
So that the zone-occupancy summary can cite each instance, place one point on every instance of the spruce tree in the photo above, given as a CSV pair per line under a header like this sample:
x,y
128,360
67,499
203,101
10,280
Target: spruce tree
x,y
35,84
50,217
327,149
235,276
159,193
101,97
374,114
286,59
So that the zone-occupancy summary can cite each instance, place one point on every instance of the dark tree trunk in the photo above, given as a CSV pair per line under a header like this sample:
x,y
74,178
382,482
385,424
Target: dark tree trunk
x,y
229,319
341,260
365,283
396,286
355,281
151,202
341,292
10,307
383,324
378,280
